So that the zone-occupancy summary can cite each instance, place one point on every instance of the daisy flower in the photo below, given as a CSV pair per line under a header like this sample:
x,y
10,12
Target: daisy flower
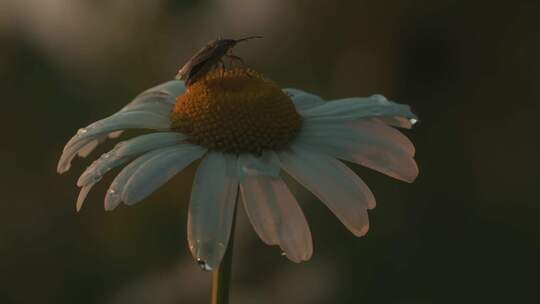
x,y
247,133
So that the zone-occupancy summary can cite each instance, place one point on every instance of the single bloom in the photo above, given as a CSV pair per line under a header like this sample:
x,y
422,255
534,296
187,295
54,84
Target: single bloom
x,y
247,133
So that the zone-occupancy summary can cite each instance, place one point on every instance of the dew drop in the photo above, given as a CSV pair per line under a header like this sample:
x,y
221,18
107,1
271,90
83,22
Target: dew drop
x,y
204,266
106,155
111,199
112,194
378,97
413,120
82,131
283,253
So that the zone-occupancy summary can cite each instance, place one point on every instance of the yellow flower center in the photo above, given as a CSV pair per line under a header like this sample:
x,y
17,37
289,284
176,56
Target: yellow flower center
x,y
236,111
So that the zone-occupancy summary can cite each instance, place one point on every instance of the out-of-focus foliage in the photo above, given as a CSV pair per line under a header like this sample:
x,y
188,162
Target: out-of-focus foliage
x,y
466,231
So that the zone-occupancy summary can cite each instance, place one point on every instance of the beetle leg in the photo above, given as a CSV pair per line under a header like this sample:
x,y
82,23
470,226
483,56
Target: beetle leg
x,y
222,67
232,58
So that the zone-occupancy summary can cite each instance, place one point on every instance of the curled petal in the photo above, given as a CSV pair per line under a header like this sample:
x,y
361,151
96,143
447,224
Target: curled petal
x,y
117,122
91,146
172,88
158,170
125,151
158,100
113,198
82,196
155,107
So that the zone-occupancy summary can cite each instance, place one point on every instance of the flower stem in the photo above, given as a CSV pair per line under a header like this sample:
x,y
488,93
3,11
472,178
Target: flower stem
x,y
221,276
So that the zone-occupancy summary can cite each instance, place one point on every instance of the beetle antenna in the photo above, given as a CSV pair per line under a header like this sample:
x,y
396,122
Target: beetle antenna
x,y
248,38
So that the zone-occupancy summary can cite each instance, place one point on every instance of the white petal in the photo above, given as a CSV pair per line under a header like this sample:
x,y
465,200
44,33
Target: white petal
x,y
212,207
82,196
172,88
158,170
276,216
119,121
64,164
340,189
266,164
127,120
125,151
358,107
368,143
113,198
88,148
115,134
121,154
399,122
271,207
303,100
383,132
156,107
158,100
362,130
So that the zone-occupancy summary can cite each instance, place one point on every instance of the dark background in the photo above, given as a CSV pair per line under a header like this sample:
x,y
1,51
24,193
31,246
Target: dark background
x,y
465,232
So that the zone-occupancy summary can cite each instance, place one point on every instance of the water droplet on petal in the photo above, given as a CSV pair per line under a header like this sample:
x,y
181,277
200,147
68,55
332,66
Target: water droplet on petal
x,y
106,155
82,131
204,266
112,194
118,146
283,253
413,120
378,97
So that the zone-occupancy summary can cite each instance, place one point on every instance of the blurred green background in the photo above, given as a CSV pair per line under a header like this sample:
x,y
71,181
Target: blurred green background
x,y
465,232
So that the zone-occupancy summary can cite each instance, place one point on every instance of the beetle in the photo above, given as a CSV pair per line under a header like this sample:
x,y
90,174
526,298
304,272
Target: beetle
x,y
207,58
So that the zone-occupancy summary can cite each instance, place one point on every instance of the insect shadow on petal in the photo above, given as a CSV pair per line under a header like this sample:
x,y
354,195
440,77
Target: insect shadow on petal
x,y
207,58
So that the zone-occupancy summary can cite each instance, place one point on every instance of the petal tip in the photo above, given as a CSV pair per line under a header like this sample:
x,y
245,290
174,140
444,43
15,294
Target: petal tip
x,y
412,178
362,232
109,207
112,200
62,168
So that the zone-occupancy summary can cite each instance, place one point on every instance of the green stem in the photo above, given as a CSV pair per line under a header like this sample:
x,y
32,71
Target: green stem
x,y
221,276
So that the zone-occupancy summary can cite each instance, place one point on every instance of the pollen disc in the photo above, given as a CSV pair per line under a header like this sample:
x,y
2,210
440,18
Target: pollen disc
x,y
236,111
